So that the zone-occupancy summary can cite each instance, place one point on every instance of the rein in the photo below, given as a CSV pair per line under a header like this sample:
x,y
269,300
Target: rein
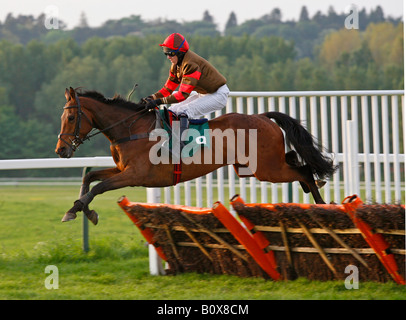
x,y
77,141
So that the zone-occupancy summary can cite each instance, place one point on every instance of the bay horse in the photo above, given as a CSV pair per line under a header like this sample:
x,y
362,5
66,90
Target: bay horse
x,y
128,125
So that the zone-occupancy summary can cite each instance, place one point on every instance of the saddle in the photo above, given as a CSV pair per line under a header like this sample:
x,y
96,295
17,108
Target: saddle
x,y
196,140
165,119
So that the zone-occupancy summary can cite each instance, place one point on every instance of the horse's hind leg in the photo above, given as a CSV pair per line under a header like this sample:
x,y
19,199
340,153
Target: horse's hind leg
x,y
308,184
288,173
306,180
292,160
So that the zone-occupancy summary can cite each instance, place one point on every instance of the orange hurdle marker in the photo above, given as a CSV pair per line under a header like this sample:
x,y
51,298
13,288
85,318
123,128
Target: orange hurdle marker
x,y
245,238
148,234
258,236
375,240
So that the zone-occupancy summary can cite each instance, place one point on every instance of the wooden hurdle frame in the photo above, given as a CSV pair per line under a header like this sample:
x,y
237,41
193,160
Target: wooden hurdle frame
x,y
252,244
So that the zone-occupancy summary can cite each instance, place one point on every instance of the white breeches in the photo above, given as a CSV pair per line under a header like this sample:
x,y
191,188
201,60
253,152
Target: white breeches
x,y
198,105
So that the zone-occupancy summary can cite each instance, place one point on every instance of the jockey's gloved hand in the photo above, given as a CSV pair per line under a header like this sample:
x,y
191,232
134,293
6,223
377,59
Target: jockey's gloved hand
x,y
146,100
152,104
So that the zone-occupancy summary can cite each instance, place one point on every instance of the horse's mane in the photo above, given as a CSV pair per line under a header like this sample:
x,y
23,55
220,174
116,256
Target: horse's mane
x,y
117,100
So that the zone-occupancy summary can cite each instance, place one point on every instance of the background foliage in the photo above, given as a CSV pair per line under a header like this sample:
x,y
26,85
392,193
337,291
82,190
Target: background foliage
x,y
265,54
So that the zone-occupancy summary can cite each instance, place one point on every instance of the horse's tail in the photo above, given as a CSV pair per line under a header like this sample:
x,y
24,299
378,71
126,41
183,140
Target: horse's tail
x,y
304,144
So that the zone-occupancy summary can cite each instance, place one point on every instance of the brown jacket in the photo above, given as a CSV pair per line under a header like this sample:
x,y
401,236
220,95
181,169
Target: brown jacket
x,y
194,74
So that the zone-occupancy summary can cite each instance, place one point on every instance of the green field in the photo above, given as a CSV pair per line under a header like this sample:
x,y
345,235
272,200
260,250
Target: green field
x,y
116,267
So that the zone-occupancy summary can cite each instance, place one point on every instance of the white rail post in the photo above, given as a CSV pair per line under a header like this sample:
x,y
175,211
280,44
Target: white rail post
x,y
351,158
385,143
366,139
377,147
155,262
344,118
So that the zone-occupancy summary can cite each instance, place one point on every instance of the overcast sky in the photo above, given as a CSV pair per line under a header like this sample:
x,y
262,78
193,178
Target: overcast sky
x,y
99,11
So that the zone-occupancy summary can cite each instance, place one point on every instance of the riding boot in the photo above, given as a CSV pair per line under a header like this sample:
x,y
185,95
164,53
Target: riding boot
x,y
184,124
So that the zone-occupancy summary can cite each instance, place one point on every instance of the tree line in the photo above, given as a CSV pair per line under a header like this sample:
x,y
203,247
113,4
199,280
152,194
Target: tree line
x,y
33,76
305,32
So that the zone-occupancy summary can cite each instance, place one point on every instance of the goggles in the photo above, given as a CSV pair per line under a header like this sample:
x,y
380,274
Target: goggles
x,y
170,53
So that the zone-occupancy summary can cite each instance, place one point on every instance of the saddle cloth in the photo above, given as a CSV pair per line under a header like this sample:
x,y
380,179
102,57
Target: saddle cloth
x,y
197,133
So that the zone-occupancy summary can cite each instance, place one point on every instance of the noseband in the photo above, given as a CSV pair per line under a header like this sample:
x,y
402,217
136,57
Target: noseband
x,y
76,141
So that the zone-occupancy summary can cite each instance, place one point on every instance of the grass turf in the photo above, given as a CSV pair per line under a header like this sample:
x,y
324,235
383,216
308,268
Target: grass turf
x,y
32,237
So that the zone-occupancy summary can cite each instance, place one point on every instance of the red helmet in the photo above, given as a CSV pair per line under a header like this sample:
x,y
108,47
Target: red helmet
x,y
176,42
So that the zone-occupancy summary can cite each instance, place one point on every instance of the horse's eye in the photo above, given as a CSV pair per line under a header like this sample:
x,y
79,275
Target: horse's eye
x,y
71,118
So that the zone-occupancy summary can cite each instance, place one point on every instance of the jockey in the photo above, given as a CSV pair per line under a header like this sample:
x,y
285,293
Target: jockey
x,y
202,88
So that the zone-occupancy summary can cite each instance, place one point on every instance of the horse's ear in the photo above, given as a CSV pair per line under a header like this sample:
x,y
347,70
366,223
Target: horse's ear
x,y
67,95
72,93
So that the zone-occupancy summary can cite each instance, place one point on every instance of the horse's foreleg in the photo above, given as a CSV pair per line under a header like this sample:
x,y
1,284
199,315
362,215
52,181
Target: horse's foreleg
x,y
85,197
99,175
88,179
118,181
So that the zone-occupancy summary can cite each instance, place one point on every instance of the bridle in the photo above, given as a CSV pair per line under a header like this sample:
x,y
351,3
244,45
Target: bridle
x,y
77,140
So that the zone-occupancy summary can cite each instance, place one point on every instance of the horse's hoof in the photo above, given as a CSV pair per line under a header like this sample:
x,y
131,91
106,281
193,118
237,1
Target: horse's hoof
x,y
320,183
93,216
69,216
